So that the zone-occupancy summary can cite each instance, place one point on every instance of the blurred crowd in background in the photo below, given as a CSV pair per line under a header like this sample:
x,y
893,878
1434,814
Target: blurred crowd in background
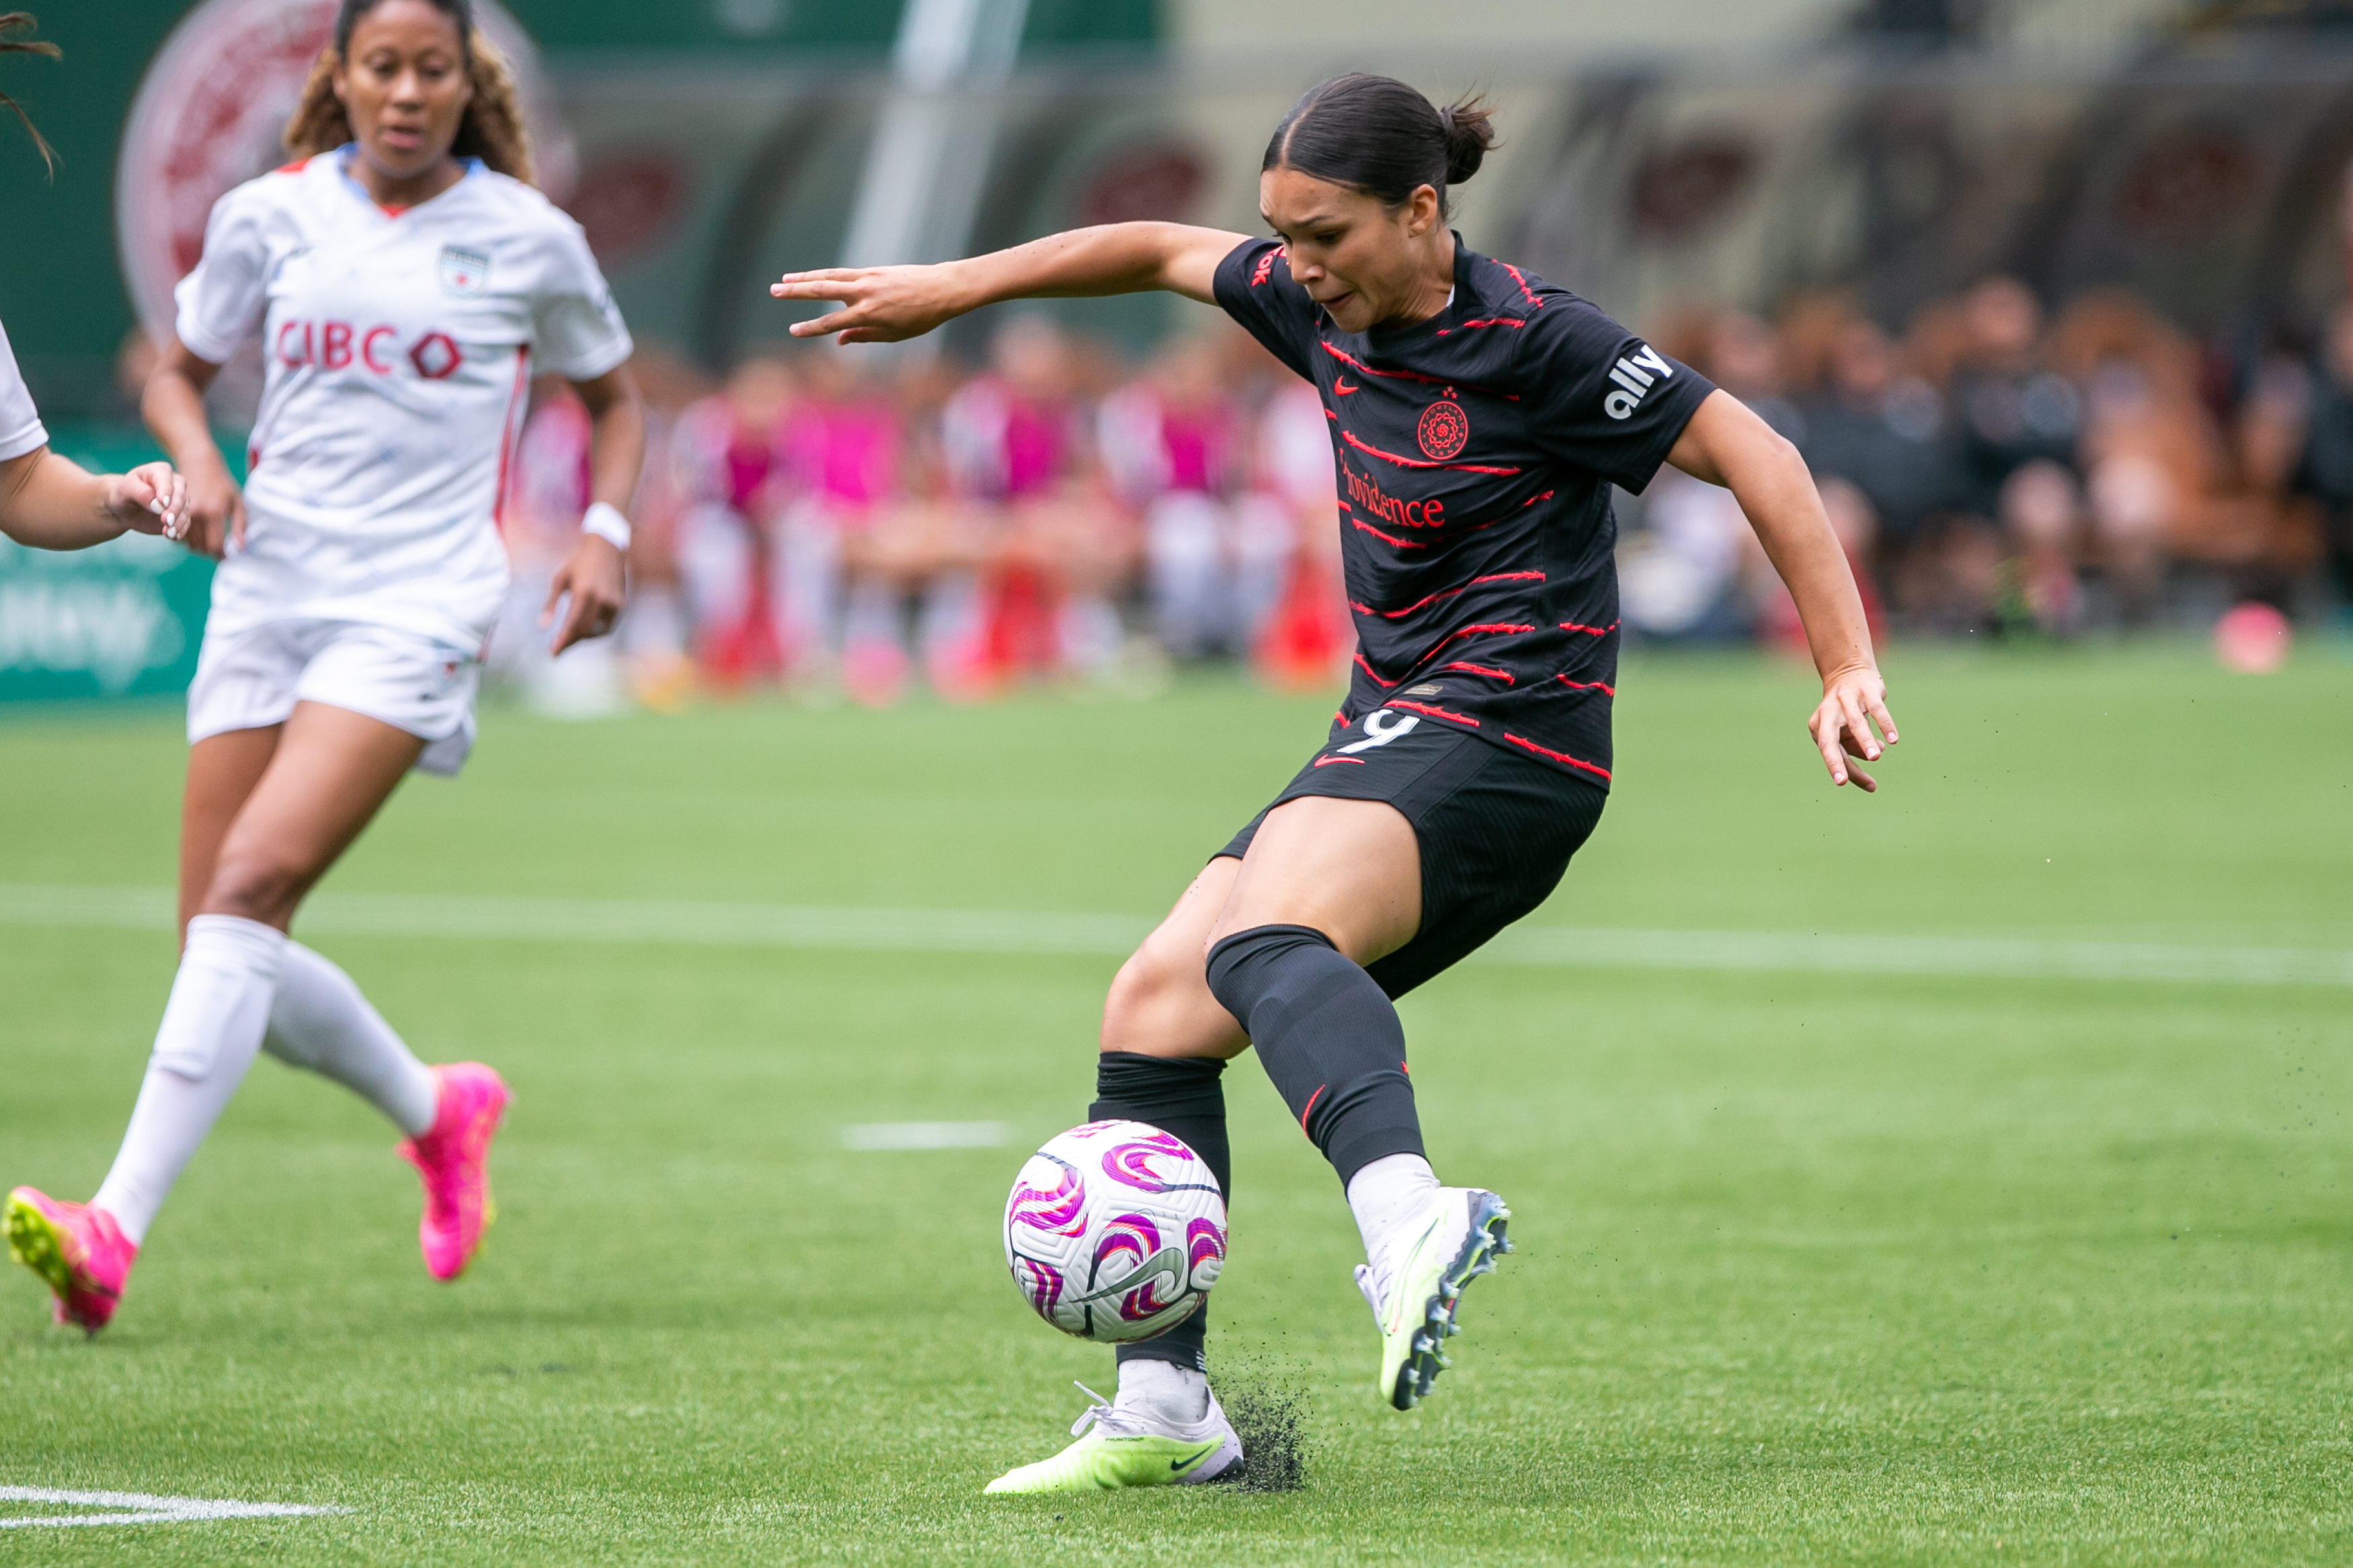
x,y
862,524
1993,471
841,521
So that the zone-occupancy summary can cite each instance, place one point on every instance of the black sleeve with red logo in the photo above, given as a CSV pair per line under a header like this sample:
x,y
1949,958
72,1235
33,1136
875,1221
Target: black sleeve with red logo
x,y
1476,451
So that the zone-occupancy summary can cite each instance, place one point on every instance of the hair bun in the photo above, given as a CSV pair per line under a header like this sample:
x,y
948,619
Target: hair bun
x,y
1469,129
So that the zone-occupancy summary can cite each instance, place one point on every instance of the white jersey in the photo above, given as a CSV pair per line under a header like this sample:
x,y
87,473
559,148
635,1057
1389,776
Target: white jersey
x,y
20,427
400,347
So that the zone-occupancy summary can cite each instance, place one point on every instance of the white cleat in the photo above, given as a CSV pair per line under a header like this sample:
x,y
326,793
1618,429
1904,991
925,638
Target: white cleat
x,y
1451,1243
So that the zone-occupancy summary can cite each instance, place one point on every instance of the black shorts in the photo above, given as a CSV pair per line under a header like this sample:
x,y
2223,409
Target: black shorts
x,y
1496,828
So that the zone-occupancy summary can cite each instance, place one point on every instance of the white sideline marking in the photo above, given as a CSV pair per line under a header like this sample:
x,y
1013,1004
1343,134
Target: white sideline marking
x,y
927,1135
824,930
139,1508
618,921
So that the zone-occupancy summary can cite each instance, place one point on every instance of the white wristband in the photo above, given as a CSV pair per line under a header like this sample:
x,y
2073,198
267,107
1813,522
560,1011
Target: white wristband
x,y
607,523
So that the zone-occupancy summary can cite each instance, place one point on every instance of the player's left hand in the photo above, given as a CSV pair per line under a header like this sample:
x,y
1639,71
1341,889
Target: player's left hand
x,y
595,577
150,499
1853,701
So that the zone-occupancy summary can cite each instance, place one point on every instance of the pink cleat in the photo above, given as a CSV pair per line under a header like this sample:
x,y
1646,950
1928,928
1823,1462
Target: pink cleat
x,y
79,1251
453,1157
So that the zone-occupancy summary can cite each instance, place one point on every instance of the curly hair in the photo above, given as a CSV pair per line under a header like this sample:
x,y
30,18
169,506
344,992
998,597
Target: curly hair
x,y
18,21
493,129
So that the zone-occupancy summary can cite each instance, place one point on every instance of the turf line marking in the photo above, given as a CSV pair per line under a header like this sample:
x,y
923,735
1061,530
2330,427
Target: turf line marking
x,y
617,921
1992,958
139,1507
902,1135
821,930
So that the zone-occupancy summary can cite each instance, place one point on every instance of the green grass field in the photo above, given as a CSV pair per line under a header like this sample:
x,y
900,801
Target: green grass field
x,y
1814,1266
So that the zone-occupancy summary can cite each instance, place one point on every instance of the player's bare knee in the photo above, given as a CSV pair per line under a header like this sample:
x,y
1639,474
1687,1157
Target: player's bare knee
x,y
256,888
1137,992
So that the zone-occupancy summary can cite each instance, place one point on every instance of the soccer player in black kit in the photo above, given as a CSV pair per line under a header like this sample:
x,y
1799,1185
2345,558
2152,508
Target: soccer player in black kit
x,y
1478,416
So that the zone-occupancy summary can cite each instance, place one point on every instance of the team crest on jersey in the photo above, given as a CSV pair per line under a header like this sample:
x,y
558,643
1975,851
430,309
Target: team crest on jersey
x,y
1444,430
465,273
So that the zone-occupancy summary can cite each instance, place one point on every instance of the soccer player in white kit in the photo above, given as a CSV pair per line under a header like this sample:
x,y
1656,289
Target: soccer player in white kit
x,y
404,280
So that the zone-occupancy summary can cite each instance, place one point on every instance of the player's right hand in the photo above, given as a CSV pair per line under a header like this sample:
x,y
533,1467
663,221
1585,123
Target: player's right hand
x,y
881,304
215,510
1852,700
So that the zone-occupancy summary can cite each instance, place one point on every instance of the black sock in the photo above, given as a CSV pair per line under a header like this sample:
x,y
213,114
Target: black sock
x,y
1181,1096
1328,1037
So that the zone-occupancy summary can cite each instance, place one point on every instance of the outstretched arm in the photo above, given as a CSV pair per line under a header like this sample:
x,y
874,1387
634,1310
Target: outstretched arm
x,y
52,504
1726,444
886,304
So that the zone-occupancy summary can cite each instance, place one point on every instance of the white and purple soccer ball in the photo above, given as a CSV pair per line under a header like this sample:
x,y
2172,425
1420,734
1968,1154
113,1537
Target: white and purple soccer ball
x,y
1116,1231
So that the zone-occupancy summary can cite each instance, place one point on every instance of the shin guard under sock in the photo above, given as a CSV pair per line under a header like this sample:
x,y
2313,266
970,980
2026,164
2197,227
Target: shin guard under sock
x,y
210,1034
1327,1037
1181,1096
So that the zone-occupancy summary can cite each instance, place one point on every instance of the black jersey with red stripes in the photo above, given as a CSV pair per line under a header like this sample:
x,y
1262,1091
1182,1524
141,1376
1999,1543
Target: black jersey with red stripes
x,y
1476,453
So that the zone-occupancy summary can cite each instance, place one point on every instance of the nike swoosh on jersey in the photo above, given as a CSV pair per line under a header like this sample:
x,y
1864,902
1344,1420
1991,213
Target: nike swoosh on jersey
x,y
1340,384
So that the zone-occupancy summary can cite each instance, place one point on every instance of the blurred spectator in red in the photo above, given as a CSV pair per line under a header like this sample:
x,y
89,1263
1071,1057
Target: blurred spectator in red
x,y
1300,632
726,459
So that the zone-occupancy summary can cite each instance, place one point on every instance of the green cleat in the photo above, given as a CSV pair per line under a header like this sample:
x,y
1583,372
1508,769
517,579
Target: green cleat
x,y
1455,1242
1131,1447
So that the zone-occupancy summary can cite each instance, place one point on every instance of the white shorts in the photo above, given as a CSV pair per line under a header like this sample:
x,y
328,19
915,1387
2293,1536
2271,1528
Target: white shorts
x,y
409,680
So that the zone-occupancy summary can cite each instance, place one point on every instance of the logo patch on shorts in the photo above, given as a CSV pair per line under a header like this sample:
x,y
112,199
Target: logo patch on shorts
x,y
1444,430
464,273
1426,688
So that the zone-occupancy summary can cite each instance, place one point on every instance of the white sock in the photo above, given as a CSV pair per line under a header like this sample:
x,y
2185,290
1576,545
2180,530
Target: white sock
x,y
211,1029
319,1020
1385,1196
1161,1388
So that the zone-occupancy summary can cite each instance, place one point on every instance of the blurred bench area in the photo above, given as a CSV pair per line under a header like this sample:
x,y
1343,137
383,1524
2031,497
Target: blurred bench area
x,y
2051,294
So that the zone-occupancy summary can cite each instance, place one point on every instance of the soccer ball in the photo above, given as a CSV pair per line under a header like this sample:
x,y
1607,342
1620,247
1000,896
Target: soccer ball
x,y
1116,1231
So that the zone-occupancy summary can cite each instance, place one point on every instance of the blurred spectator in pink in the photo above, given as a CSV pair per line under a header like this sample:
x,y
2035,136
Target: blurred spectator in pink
x,y
1013,441
841,461
1175,449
